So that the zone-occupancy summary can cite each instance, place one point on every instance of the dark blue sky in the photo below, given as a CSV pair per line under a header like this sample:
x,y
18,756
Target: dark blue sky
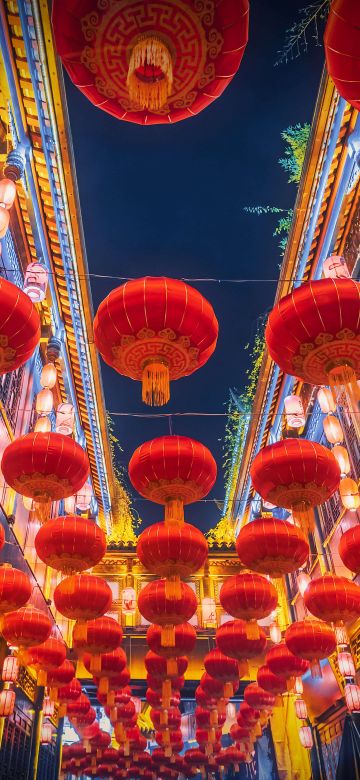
x,y
169,200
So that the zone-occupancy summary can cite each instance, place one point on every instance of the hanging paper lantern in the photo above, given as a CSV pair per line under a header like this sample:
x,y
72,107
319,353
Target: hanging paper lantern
x,y
306,738
7,193
79,706
48,707
294,412
149,78
154,698
103,635
62,675
204,717
171,550
155,330
295,474
240,734
282,662
19,323
275,633
342,457
165,668
233,640
271,546
109,679
206,737
271,682
42,425
7,703
257,698
48,376
185,638
230,756
156,607
4,221
84,497
226,670
106,665
352,697
342,42
303,581
47,656
312,640
45,467
83,597
26,627
15,588
335,267
36,282
44,401
333,599
68,692
70,544
312,332
248,714
173,470
10,669
349,493
250,597
333,430
346,664
326,400
212,686
173,718
301,709
65,420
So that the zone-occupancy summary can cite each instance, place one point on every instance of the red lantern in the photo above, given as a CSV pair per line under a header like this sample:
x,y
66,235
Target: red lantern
x,y
271,682
69,692
248,714
84,719
45,467
212,686
149,78
82,597
257,698
233,640
107,665
70,544
19,327
173,718
173,470
102,636
185,638
333,599
79,706
117,679
172,550
342,43
296,474
271,546
248,596
349,548
240,733
301,709
312,640
7,703
10,669
306,737
283,663
26,627
62,675
352,697
226,670
154,698
15,588
157,607
2,537
205,720
165,668
47,657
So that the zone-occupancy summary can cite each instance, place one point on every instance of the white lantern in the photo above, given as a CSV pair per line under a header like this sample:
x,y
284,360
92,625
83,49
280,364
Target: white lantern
x,y
48,376
48,707
44,401
335,267
349,493
294,411
208,610
69,505
301,709
346,664
83,498
7,703
349,520
230,711
36,282
46,733
275,633
352,697
306,738
333,430
4,221
342,457
303,580
128,601
10,669
341,635
7,193
42,425
65,418
326,400
298,687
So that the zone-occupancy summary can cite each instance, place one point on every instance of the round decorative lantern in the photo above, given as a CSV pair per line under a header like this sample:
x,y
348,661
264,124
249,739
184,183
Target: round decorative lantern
x,y
69,692
204,718
101,635
342,43
15,588
47,657
349,493
257,698
173,470
333,599
82,597
185,638
248,714
79,706
26,627
10,669
172,550
282,662
230,756
352,697
62,675
312,640
19,326
301,709
106,666
156,607
212,686
240,733
85,719
165,668
45,467
349,548
346,664
70,544
295,474
249,597
154,698
109,679
173,718
7,702
306,738
148,77
312,333
271,546
271,682
233,640
226,670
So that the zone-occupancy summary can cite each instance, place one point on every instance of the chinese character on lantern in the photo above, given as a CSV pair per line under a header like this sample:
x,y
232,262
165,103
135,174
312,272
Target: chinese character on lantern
x,y
65,418
208,609
36,282
294,411
335,267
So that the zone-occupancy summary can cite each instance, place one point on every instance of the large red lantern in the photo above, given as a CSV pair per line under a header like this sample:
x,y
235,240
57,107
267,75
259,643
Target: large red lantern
x,y
45,467
47,657
257,698
26,627
98,636
313,332
70,544
19,327
271,546
132,60
312,640
349,548
173,470
106,666
15,588
156,607
69,692
248,714
79,706
82,597
62,675
155,330
296,474
282,662
333,599
185,638
271,682
172,550
342,44
233,640
250,597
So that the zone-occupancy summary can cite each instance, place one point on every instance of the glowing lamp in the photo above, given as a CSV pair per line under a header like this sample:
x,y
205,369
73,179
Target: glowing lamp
x,y
346,664
7,193
208,611
341,634
326,400
301,709
48,707
303,581
83,498
298,687
10,669
294,411
44,401
352,697
65,419
275,633
333,430
342,457
48,376
42,425
69,505
4,221
7,703
46,734
128,601
349,493
335,267
306,738
36,282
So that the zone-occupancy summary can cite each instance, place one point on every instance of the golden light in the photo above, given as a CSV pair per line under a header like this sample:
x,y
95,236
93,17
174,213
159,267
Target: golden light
x,y
349,493
48,376
346,664
44,401
306,738
10,669
36,282
333,430
326,400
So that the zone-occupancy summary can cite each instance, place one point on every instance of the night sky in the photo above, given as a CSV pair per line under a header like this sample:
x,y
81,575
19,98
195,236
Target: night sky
x,y
169,200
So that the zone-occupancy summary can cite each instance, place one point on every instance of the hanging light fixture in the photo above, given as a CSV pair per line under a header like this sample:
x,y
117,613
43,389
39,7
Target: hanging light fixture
x,y
352,697
275,633
36,282
306,737
10,669
333,430
48,707
301,709
7,703
298,687
349,493
48,376
303,581
346,664
326,400
46,733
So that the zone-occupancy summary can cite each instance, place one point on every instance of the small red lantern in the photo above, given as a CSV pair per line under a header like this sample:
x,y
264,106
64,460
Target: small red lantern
x,y
157,607
185,638
301,709
82,597
250,597
103,635
106,665
306,738
271,682
226,670
342,43
173,718
7,703
46,657
230,756
26,627
70,544
19,327
165,668
10,669
154,698
204,718
15,588
233,640
333,599
346,664
172,550
212,686
283,663
311,640
257,698
62,675
79,706
352,697
271,546
240,733
84,719
349,548
69,692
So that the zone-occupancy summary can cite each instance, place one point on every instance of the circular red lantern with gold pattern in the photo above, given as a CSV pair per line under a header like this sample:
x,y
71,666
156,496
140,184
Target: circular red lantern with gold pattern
x,y
185,638
79,706
271,546
70,544
86,718
26,627
257,698
107,664
15,588
283,663
172,550
19,327
333,599
101,635
82,597
132,60
342,44
312,640
248,596
349,548
157,607
296,474
69,692
233,639
204,717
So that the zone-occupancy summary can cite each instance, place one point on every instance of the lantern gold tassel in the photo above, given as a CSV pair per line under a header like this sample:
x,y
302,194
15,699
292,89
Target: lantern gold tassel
x,y
171,667
173,588
174,511
81,632
304,517
155,383
168,636
252,630
344,376
228,690
95,664
150,75
163,717
42,510
213,718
